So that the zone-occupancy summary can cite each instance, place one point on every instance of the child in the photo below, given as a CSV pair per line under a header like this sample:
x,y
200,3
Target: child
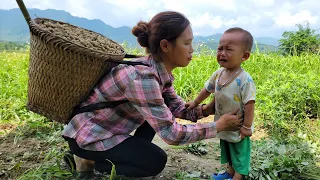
x,y
233,88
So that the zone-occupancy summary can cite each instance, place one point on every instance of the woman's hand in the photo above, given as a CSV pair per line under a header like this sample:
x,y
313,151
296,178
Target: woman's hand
x,y
229,122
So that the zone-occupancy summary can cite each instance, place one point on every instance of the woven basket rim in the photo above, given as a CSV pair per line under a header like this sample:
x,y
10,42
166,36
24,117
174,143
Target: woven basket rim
x,y
71,45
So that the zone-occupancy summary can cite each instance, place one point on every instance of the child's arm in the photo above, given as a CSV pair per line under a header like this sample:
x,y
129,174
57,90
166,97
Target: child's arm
x,y
248,114
205,92
201,97
248,119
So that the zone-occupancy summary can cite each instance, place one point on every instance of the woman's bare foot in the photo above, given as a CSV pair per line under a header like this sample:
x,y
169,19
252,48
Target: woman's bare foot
x,y
83,165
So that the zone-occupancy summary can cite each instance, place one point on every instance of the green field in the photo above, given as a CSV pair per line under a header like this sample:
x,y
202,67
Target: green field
x,y
287,109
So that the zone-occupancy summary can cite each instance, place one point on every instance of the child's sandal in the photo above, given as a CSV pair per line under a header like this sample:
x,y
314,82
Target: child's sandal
x,y
223,176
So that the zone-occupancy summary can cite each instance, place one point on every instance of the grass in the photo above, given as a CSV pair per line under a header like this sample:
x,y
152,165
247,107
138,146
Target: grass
x,y
287,88
287,106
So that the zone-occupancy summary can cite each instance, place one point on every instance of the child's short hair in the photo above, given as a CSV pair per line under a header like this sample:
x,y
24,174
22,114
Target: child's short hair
x,y
248,39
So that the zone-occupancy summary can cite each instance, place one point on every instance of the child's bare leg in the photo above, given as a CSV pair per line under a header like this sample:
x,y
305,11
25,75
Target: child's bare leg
x,y
237,176
230,170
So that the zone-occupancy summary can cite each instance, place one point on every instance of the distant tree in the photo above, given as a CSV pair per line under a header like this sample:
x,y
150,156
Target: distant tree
x,y
297,42
11,46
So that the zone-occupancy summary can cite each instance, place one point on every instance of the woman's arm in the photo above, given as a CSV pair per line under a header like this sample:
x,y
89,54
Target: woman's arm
x,y
178,107
145,95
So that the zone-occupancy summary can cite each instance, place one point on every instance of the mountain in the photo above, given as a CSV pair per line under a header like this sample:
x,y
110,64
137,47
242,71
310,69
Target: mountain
x,y
15,29
267,40
266,44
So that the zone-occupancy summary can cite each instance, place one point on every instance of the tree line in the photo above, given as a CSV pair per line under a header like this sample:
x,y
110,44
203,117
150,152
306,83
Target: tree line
x,y
303,40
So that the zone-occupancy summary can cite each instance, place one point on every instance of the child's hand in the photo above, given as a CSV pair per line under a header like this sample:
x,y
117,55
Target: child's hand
x,y
191,105
245,132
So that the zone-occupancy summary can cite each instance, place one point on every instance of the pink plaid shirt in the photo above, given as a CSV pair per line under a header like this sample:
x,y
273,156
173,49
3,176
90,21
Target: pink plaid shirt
x,y
143,86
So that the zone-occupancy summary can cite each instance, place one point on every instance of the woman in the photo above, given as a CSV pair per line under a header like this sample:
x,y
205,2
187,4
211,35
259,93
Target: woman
x,y
152,106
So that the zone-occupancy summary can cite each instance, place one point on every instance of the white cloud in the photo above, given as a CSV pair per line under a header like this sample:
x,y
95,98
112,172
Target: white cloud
x,y
260,17
79,8
207,19
311,5
286,19
196,6
129,5
263,3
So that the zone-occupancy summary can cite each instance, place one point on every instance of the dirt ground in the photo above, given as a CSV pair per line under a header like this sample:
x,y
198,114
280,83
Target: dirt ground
x,y
19,155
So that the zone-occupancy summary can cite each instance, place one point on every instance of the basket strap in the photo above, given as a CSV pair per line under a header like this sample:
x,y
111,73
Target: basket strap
x,y
129,62
98,106
111,104
132,56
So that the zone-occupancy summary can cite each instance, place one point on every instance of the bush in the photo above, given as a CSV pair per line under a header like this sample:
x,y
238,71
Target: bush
x,y
301,41
295,159
287,106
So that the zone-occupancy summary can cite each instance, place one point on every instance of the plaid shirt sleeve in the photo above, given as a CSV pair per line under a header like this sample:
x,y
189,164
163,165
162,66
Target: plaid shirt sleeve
x,y
178,109
144,92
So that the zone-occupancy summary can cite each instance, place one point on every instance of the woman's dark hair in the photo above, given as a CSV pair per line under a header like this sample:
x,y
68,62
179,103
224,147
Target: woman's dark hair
x,y
165,25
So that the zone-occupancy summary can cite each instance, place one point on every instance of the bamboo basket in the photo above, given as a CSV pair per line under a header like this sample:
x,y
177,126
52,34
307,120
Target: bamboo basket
x,y
66,62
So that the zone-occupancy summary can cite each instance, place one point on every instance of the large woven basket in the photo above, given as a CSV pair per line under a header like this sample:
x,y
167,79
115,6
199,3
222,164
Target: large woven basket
x,y
62,73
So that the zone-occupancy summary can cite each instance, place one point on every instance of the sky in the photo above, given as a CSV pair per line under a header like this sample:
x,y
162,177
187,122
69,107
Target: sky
x,y
263,18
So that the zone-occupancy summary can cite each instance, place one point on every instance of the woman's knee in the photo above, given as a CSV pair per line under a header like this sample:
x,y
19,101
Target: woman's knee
x,y
158,163
144,168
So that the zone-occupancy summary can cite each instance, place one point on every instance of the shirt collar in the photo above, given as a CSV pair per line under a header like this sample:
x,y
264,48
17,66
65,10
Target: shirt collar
x,y
166,78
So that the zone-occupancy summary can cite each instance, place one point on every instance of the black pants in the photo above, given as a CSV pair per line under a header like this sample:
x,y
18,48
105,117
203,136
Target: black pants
x,y
134,157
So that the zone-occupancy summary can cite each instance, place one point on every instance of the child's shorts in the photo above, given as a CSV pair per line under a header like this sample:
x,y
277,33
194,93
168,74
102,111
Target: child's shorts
x,y
237,155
